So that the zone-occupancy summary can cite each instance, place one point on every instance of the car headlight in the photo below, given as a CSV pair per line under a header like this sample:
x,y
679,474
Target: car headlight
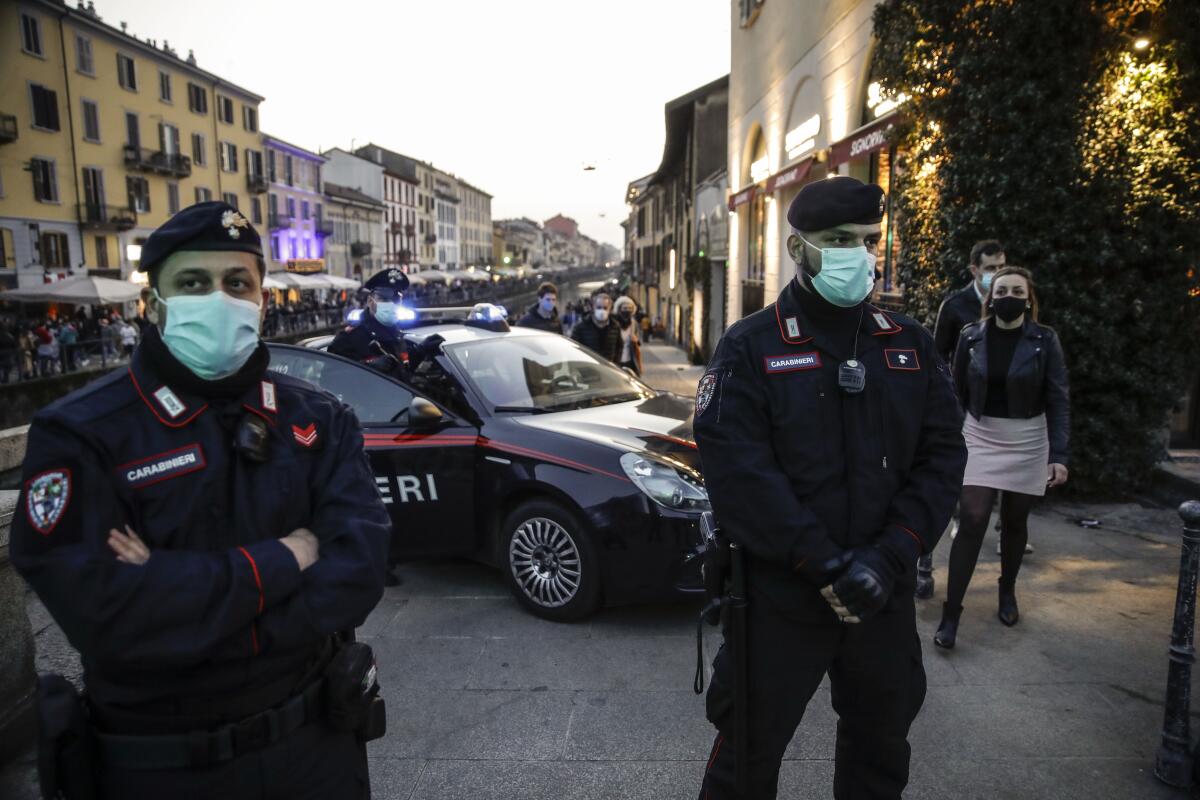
x,y
664,484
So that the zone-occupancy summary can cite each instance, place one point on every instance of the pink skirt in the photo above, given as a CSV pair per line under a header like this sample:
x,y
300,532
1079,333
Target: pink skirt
x,y
1011,455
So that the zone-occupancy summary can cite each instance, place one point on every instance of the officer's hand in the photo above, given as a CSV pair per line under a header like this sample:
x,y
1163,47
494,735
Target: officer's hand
x,y
304,547
128,547
822,573
866,585
1057,477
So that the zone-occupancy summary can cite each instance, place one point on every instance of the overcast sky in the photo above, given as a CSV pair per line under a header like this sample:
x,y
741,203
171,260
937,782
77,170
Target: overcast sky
x,y
514,96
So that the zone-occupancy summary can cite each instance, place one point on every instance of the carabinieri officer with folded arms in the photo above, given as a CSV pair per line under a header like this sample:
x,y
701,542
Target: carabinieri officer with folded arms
x,y
832,451
201,528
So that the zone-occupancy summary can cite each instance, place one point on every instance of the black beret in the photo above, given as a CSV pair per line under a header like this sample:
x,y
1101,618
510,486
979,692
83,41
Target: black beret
x,y
835,201
208,227
392,278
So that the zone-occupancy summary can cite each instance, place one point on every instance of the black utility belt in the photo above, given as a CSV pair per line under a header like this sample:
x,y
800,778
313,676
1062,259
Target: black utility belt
x,y
206,748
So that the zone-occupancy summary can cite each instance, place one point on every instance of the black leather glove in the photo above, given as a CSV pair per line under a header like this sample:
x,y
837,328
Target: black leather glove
x,y
822,573
866,585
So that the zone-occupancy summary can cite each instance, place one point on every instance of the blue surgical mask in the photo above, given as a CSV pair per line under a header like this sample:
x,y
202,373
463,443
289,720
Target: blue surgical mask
x,y
546,304
847,274
211,334
385,313
985,281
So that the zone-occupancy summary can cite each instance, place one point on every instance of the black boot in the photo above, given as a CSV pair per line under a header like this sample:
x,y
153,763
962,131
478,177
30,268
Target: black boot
x,y
1008,612
947,630
925,577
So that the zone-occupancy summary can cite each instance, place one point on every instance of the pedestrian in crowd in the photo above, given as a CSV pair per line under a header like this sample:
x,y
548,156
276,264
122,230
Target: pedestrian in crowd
x,y
631,345
597,331
9,352
570,317
644,324
207,581
833,453
129,338
960,308
67,340
28,344
543,314
1011,377
47,349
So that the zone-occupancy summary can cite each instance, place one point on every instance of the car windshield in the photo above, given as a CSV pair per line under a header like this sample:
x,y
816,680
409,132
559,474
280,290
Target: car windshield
x,y
543,373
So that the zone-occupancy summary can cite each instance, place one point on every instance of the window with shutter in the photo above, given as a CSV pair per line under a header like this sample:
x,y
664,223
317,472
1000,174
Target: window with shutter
x,y
31,35
172,198
126,72
91,121
45,107
83,55
198,157
45,182
8,251
164,86
55,250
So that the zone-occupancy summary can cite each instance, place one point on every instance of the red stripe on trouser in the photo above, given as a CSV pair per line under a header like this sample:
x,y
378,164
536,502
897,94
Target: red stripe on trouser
x,y
711,760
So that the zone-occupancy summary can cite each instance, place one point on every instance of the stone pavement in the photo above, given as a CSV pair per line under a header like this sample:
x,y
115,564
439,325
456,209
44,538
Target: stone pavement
x,y
486,701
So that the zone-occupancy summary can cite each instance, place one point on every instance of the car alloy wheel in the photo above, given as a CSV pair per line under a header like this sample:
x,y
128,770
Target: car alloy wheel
x,y
545,562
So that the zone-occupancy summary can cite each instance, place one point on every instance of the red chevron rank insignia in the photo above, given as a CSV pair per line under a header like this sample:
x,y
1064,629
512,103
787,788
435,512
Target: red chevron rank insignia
x,y
306,436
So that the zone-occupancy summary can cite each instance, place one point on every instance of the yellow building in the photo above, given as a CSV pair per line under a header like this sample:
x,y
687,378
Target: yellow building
x,y
103,136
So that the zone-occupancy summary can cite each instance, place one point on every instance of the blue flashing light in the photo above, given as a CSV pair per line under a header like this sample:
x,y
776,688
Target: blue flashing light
x,y
354,317
488,312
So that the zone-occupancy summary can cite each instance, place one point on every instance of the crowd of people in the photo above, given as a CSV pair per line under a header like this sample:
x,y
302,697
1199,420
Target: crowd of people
x,y
612,327
56,345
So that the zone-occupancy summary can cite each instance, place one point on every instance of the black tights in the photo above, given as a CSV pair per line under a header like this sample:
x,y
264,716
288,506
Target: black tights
x,y
975,511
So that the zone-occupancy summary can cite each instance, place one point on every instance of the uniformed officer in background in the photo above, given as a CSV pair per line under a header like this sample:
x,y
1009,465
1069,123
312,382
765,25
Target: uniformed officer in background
x,y
201,528
374,337
833,454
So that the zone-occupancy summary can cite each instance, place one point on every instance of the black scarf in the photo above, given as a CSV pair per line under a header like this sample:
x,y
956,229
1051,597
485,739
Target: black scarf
x,y
175,374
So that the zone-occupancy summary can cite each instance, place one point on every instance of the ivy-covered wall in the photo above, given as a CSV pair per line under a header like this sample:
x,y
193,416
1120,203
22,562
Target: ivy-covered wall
x,y
1069,130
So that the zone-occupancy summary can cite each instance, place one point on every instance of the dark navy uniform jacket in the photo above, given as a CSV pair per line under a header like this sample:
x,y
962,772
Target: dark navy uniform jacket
x,y
221,607
357,342
798,470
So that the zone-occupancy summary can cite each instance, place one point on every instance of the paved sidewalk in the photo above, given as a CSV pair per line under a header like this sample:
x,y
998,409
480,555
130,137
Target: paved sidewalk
x,y
667,367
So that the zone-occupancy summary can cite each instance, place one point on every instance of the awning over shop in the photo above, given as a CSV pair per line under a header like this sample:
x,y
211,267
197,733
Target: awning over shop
x,y
792,175
338,282
295,280
79,291
742,197
864,141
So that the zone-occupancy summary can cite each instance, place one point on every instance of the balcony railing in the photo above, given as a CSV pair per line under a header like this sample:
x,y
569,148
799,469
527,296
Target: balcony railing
x,y
158,161
431,238
105,216
256,184
8,128
397,227
277,220
359,249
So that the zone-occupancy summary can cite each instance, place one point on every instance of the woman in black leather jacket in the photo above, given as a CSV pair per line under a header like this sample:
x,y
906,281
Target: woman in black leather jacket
x,y
1011,378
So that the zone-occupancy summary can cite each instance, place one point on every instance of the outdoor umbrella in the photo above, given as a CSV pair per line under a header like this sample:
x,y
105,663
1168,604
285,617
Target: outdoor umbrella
x,y
295,280
271,282
79,291
432,276
339,282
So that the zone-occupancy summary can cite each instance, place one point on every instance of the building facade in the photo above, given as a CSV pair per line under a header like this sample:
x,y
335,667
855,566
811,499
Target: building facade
x,y
295,207
427,238
801,107
104,136
475,226
671,278
400,190
523,243
356,221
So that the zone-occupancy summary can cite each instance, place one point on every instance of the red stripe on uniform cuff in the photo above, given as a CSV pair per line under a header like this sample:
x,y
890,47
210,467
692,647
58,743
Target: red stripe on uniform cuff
x,y
257,582
919,540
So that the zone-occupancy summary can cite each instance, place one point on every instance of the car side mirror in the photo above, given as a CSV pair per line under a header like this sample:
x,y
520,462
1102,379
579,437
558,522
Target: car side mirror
x,y
422,413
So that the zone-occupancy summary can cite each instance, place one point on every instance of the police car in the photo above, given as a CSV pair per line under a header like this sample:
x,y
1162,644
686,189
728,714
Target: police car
x,y
522,449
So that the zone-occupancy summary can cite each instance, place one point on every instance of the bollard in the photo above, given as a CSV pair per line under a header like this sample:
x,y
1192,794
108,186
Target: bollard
x,y
1173,764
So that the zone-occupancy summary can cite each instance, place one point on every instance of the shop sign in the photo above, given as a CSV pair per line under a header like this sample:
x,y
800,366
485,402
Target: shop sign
x,y
306,266
790,175
863,142
742,197
802,138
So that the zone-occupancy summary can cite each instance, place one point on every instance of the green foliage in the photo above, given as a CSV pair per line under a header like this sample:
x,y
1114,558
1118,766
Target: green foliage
x,y
1040,124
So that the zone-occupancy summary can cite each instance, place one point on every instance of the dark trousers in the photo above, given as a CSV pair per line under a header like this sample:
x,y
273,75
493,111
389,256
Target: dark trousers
x,y
314,763
877,682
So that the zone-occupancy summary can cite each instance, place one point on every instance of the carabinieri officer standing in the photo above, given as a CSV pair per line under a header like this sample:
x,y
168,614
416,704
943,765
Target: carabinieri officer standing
x,y
833,454
374,337
200,528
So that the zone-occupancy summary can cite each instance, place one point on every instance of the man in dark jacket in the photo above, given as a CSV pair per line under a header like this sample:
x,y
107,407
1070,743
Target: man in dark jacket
x,y
961,307
597,330
833,454
202,528
544,313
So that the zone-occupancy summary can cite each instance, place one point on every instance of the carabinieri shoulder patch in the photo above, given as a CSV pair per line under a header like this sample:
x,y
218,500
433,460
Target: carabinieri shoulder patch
x,y
792,362
705,391
46,497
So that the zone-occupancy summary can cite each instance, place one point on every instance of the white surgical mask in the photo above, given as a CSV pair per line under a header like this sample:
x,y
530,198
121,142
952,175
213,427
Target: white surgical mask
x,y
600,315
211,334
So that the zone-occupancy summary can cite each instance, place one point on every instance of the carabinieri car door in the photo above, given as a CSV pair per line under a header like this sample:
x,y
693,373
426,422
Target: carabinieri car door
x,y
422,455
